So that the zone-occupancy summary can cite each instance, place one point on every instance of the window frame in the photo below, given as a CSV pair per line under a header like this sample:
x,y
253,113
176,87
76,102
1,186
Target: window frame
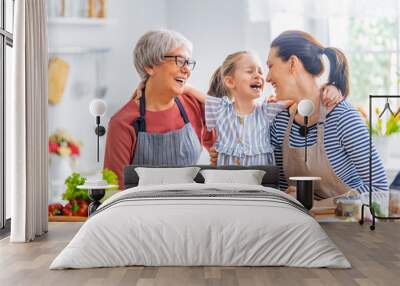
x,y
6,39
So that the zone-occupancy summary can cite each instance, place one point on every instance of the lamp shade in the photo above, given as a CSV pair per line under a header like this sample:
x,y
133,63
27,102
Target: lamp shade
x,y
97,107
305,107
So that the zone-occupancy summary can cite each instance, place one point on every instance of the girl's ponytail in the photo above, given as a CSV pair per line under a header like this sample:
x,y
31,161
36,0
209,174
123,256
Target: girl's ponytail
x,y
217,87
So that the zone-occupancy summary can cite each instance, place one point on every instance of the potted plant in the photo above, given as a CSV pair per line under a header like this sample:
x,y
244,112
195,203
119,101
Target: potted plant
x,y
63,150
63,144
384,131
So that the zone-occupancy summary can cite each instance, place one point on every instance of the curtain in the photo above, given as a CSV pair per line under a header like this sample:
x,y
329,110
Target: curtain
x,y
262,10
26,123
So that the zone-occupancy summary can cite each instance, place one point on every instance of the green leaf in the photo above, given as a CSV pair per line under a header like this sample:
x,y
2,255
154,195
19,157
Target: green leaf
x,y
75,207
72,192
392,125
377,209
111,178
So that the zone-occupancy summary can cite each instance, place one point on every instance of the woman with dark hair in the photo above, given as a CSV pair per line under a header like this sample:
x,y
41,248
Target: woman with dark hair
x,y
337,139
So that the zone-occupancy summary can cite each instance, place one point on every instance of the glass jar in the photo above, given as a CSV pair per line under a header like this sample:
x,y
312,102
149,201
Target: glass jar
x,y
394,203
348,207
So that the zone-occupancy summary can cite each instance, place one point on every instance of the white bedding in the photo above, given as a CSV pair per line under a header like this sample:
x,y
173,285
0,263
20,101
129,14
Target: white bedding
x,y
182,231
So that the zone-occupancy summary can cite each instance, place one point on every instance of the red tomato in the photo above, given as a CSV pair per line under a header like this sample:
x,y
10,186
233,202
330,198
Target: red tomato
x,y
83,208
67,210
55,209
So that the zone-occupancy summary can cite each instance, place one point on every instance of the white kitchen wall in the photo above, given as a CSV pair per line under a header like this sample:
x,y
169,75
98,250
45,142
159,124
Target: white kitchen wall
x,y
216,28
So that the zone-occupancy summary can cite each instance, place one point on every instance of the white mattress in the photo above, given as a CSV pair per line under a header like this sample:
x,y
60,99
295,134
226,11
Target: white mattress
x,y
189,230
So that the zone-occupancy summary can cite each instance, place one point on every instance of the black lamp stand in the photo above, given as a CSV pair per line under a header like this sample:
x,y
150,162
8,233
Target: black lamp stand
x,y
304,132
100,131
305,137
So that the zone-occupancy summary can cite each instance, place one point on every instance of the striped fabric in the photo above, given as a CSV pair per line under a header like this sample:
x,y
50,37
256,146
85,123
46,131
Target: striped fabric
x,y
174,148
241,140
346,142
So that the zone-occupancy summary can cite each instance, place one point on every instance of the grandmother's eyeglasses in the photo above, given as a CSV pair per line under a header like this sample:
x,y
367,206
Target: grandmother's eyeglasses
x,y
181,62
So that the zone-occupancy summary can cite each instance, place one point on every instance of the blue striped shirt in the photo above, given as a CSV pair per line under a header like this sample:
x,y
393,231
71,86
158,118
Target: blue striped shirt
x,y
346,142
241,140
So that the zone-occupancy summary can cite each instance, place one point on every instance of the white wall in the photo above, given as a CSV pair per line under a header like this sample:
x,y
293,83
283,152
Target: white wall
x,y
132,20
216,28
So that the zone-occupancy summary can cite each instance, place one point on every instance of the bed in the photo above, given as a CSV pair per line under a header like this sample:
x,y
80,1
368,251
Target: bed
x,y
201,224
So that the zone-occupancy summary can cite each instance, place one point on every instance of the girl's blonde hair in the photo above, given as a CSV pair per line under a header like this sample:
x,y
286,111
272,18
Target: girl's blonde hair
x,y
217,87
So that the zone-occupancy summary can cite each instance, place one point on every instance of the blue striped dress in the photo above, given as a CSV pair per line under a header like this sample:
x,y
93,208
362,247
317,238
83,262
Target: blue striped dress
x,y
241,140
346,142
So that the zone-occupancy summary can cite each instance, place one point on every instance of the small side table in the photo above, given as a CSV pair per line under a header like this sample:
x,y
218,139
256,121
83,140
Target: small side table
x,y
96,191
305,190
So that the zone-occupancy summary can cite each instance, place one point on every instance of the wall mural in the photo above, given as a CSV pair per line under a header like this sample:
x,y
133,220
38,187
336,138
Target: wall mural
x,y
232,121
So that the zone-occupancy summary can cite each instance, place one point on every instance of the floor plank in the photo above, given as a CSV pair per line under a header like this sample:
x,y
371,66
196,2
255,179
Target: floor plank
x,y
374,255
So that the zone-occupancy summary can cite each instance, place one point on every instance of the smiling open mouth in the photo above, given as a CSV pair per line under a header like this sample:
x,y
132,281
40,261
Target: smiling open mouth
x,y
256,86
180,80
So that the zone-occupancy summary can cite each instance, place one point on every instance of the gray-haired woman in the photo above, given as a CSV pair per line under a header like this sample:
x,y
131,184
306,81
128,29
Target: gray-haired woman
x,y
163,126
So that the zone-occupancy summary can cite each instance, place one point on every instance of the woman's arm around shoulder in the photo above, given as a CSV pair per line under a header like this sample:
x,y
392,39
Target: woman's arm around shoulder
x,y
191,91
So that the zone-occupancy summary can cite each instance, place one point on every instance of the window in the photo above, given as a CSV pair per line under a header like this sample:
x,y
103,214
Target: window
x,y
368,32
372,48
6,43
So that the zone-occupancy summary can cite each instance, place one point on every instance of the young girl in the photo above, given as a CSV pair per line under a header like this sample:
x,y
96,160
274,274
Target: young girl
x,y
242,125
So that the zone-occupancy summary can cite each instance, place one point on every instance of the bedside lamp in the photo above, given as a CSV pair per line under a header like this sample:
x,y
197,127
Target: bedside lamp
x,y
98,108
305,185
305,109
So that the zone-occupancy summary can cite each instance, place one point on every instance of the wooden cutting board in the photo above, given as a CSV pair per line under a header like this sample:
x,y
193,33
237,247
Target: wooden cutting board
x,y
323,210
64,218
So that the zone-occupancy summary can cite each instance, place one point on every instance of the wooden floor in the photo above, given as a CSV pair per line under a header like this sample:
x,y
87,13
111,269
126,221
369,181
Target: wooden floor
x,y
374,255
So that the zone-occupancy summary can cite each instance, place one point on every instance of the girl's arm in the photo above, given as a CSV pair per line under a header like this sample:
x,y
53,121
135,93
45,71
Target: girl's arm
x,y
330,97
191,91
272,99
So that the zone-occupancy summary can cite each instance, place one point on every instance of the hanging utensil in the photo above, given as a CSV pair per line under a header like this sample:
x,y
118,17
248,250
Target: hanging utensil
x,y
386,107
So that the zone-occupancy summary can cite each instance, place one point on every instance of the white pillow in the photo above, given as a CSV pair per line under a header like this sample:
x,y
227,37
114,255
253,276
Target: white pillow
x,y
249,177
166,176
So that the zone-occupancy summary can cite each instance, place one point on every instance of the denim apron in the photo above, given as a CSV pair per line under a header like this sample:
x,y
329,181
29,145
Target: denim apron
x,y
179,147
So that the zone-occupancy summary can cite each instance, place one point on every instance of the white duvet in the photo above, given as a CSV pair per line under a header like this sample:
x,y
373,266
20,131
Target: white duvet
x,y
183,231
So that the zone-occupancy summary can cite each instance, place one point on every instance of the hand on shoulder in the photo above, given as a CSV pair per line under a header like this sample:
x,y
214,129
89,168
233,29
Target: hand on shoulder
x,y
137,94
331,96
